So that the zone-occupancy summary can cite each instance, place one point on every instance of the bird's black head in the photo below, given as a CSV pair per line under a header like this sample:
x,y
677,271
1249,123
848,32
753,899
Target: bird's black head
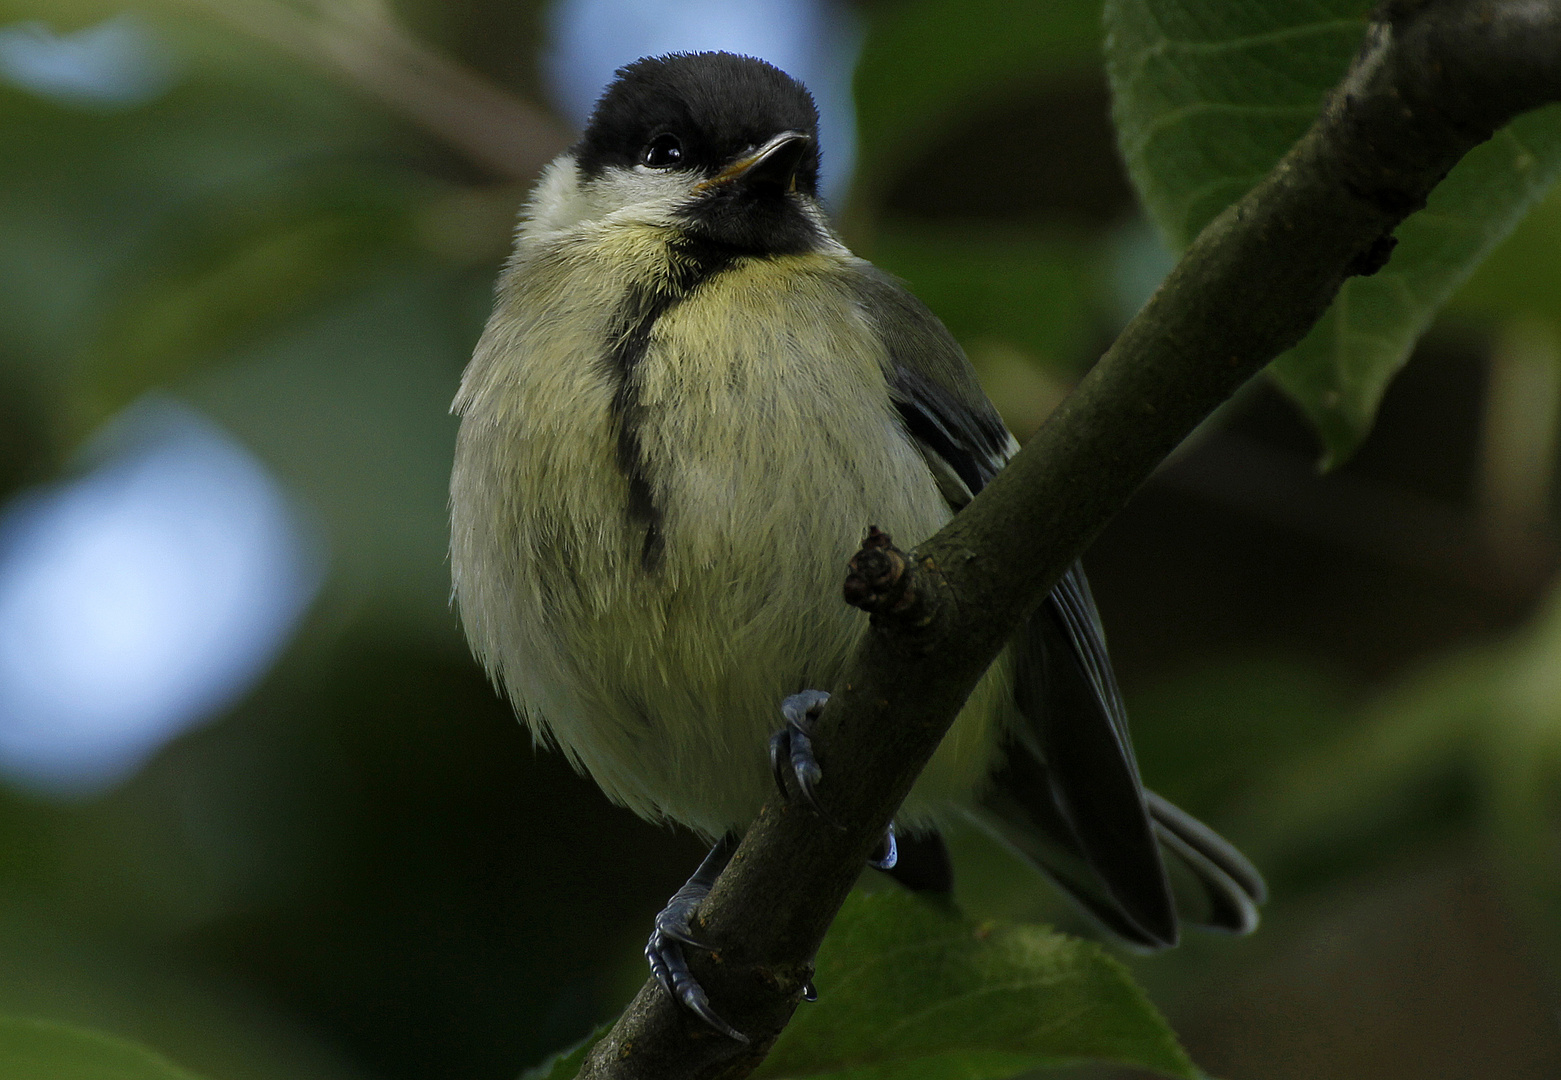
x,y
741,134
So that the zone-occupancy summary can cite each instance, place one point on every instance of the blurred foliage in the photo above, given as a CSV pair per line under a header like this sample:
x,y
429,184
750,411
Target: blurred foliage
x,y
984,286
1209,95
1488,719
928,63
32,1048
242,265
365,871
935,87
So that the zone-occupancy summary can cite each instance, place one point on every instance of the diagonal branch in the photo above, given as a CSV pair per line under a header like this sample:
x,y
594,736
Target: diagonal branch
x,y
1433,79
362,43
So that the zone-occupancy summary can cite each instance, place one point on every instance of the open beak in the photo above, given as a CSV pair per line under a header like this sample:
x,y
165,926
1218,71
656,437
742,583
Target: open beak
x,y
773,164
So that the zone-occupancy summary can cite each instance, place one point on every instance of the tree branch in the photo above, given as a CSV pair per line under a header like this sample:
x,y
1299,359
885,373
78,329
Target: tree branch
x,y
362,43
1433,79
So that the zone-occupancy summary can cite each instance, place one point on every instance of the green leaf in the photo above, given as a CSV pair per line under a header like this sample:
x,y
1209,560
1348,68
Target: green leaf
x,y
912,992
1340,371
923,63
1521,279
1209,94
565,1065
42,1050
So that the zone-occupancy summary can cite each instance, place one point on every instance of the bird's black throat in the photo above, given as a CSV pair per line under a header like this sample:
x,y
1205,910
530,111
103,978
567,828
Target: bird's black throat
x,y
693,261
762,221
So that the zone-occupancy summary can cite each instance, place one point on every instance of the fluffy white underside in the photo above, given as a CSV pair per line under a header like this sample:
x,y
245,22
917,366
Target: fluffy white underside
x,y
664,684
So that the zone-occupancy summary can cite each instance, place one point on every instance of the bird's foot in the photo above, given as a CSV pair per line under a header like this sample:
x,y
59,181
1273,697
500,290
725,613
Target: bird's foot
x,y
791,752
791,749
674,931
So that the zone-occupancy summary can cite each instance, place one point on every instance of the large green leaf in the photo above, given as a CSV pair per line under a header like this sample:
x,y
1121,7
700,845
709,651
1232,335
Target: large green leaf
x,y
40,1050
911,992
1209,94
1521,279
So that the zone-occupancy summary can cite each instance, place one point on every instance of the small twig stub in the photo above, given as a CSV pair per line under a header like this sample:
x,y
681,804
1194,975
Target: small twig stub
x,y
887,583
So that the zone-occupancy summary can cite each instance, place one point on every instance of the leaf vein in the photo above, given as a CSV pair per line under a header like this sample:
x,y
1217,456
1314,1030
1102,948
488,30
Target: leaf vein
x,y
1226,108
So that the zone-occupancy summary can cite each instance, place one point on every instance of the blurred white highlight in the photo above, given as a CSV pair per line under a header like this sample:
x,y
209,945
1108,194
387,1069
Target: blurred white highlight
x,y
118,63
141,598
814,41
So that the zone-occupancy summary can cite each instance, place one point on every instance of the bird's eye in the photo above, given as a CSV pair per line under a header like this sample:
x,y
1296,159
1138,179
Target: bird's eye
x,y
664,151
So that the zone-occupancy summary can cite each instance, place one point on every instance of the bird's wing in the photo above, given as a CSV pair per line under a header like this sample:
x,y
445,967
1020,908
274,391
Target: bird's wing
x,y
1071,780
935,389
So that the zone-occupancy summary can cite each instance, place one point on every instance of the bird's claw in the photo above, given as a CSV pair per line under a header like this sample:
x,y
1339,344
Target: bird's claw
x,y
791,749
674,930
887,854
675,921
670,967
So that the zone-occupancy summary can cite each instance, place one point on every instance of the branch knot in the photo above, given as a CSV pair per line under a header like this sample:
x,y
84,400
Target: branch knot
x,y
887,584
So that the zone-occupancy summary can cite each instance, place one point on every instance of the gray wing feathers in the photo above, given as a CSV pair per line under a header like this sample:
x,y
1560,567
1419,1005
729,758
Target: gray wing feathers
x,y
1069,796
935,390
1075,606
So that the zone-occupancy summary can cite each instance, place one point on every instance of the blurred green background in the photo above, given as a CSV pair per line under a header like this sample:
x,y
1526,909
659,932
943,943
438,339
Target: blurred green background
x,y
351,863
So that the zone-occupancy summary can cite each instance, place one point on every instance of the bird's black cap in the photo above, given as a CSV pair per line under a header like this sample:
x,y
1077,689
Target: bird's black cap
x,y
717,105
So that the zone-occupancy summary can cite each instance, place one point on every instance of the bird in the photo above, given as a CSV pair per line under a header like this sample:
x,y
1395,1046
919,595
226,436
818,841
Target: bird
x,y
689,402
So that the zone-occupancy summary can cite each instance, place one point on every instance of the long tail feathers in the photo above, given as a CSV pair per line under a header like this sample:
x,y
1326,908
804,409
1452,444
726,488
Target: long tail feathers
x,y
1231,887
1069,797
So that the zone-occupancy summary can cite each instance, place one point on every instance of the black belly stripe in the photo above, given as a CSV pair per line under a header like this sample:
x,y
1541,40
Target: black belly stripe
x,y
693,262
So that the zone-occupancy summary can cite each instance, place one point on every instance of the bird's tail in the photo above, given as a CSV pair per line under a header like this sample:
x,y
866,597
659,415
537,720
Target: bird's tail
x,y
1214,885
1070,799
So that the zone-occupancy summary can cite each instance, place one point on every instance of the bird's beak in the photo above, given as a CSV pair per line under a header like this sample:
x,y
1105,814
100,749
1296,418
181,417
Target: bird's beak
x,y
773,164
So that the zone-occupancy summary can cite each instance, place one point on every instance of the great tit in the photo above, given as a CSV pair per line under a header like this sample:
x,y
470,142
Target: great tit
x,y
690,401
